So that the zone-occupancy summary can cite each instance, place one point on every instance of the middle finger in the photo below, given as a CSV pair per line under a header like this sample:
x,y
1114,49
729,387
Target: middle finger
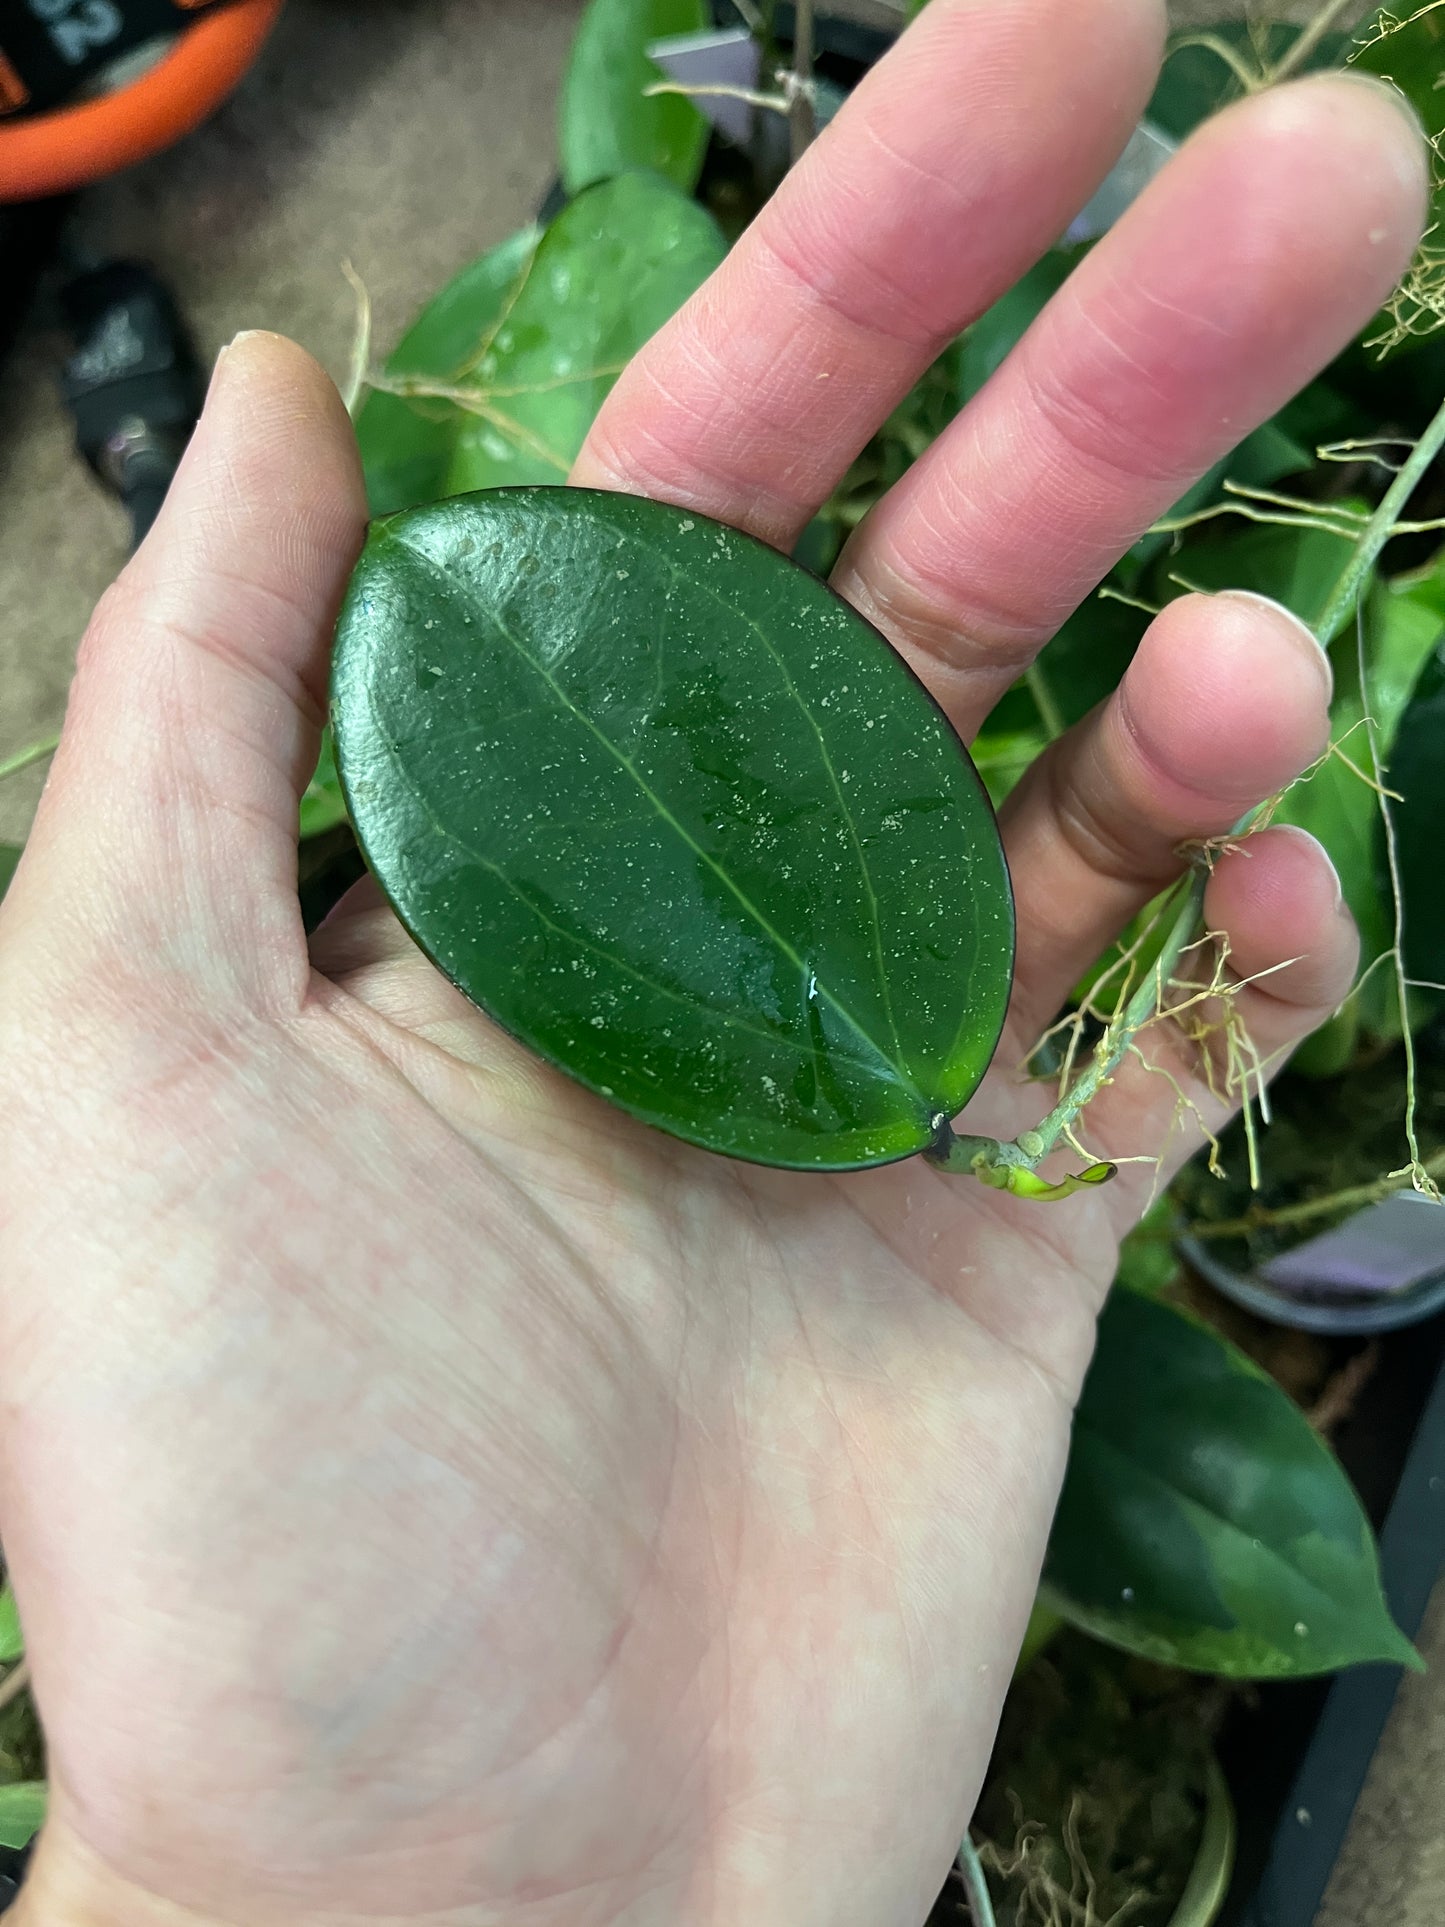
x,y
1253,259
957,162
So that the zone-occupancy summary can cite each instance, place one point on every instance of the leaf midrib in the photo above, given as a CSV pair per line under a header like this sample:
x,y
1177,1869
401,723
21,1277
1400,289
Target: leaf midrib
x,y
773,1039
823,750
774,936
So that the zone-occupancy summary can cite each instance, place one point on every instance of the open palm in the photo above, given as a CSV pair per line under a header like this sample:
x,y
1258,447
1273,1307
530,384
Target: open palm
x,y
431,1496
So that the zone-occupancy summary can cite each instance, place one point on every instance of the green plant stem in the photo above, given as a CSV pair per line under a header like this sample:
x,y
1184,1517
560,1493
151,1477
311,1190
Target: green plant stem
x,y
975,1887
1380,527
1141,1008
1050,715
1263,1219
1419,1177
802,122
1312,34
33,753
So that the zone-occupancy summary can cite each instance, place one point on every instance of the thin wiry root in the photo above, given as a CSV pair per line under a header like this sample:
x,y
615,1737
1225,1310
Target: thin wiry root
x,y
1207,1013
356,382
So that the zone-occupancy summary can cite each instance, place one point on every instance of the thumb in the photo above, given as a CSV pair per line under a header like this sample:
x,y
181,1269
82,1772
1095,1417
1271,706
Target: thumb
x,y
168,824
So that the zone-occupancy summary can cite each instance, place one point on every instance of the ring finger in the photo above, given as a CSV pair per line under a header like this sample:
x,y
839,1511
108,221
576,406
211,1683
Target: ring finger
x,y
1225,702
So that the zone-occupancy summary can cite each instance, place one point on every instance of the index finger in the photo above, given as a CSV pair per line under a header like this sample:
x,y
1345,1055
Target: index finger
x,y
957,162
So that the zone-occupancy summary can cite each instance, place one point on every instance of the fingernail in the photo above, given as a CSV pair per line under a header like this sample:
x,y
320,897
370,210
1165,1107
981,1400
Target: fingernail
x,y
1321,855
246,334
1399,100
1298,628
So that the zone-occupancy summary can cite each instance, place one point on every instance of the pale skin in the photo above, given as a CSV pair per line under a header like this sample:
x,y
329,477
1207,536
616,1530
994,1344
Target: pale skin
x,y
430,1497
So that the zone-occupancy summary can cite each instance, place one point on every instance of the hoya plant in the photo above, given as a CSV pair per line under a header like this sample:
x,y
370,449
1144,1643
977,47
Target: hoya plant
x,y
679,819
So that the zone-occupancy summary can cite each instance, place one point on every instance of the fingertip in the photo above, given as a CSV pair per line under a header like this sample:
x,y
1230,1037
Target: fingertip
x,y
272,404
1346,167
1276,897
1225,702
1387,125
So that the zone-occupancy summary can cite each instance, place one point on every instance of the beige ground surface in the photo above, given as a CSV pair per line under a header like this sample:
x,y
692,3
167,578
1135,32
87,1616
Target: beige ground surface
x,y
407,135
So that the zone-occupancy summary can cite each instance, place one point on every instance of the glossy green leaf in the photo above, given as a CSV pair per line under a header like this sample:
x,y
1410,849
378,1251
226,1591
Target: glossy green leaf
x,y
1203,1522
12,1640
612,267
1147,1261
1417,773
1296,566
1077,667
1337,805
678,818
407,443
998,331
22,1810
608,124
323,805
9,857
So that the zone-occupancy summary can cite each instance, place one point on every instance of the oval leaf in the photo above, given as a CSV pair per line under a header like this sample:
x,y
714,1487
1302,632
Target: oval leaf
x,y
9,858
1203,1522
608,122
612,267
678,817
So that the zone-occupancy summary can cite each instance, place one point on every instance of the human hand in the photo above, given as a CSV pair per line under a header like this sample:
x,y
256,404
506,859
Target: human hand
x,y
431,1496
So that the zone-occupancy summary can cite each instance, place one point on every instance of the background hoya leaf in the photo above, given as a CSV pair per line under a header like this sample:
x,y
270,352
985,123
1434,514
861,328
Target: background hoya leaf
x,y
22,1809
9,857
12,1640
407,442
1203,1522
1296,566
1412,55
1147,1262
322,804
1336,805
997,332
1417,773
608,124
612,267
678,818
1262,458
1078,667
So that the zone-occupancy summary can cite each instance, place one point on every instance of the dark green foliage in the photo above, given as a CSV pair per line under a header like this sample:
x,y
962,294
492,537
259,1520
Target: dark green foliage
x,y
608,123
1203,1522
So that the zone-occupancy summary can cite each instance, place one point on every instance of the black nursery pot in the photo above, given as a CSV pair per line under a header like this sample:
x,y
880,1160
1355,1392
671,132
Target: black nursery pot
x,y
1297,1760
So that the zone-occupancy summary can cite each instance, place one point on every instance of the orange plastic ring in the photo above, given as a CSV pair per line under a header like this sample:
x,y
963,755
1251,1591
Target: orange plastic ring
x,y
56,152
